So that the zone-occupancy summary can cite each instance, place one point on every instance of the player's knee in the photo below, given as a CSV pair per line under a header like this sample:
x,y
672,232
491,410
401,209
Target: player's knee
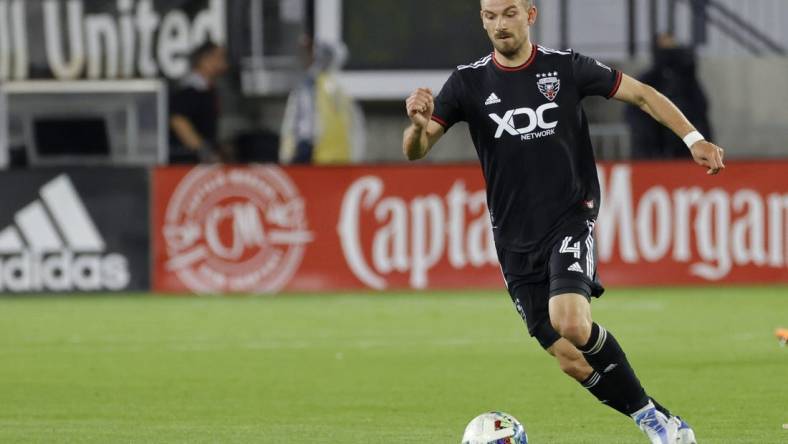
x,y
570,315
574,329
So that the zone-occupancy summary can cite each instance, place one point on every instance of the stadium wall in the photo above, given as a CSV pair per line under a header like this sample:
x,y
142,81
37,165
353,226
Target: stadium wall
x,y
266,229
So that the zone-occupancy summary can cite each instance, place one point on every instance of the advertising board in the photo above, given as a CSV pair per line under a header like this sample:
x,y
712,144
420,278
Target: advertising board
x,y
265,229
74,230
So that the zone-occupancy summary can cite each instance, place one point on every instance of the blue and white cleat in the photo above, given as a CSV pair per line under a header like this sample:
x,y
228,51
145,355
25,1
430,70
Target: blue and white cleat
x,y
657,427
685,433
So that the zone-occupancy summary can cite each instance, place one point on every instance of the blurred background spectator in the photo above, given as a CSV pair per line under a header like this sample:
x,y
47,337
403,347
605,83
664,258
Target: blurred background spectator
x,y
194,109
674,74
322,124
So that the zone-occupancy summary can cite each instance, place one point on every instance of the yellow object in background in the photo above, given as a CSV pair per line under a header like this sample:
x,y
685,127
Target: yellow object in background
x,y
333,144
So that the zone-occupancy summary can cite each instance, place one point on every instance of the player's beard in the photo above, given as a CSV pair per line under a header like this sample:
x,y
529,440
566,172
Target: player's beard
x,y
510,47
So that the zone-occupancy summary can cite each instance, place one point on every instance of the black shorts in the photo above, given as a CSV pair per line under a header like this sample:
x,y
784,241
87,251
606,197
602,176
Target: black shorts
x,y
565,265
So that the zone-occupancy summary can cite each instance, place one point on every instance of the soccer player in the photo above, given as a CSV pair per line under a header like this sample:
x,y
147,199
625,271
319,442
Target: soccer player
x,y
523,107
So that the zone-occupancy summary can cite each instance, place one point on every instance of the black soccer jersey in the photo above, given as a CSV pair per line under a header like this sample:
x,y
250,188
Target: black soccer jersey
x,y
531,136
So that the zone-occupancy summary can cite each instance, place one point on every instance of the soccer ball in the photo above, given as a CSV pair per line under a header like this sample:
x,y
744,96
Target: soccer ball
x,y
495,428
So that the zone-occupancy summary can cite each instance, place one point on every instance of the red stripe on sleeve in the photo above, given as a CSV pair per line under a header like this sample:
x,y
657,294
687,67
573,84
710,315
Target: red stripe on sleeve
x,y
440,121
619,76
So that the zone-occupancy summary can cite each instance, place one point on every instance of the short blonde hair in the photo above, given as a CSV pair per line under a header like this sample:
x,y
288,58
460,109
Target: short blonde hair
x,y
526,3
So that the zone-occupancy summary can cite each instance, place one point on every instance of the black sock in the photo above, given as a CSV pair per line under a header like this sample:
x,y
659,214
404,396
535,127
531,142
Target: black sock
x,y
605,391
609,361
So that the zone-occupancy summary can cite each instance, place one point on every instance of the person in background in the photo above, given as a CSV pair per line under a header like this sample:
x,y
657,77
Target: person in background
x,y
322,124
194,108
674,74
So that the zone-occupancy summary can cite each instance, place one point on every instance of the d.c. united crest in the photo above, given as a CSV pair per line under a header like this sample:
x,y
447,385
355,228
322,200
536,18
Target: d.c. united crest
x,y
549,85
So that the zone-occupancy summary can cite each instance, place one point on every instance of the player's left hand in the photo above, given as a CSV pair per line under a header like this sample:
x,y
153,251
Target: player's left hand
x,y
708,155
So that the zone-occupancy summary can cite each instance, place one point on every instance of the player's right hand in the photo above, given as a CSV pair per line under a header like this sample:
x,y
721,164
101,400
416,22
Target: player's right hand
x,y
420,106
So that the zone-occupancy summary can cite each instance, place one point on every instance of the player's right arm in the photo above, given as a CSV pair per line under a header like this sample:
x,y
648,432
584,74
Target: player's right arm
x,y
423,132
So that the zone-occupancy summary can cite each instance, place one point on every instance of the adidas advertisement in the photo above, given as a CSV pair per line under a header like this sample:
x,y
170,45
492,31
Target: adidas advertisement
x,y
80,230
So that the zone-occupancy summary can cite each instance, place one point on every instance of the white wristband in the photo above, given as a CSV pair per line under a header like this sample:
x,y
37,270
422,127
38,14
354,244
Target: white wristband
x,y
693,138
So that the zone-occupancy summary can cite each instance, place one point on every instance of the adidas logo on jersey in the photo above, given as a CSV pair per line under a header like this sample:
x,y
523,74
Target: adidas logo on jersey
x,y
54,246
492,100
576,267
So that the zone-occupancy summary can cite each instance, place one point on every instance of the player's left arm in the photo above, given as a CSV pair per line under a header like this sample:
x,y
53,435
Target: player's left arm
x,y
665,112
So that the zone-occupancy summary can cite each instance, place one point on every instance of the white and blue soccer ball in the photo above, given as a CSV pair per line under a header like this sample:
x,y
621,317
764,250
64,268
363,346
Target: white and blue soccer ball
x,y
495,428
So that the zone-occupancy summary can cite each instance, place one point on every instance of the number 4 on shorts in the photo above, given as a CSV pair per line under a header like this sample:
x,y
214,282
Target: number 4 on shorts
x,y
566,249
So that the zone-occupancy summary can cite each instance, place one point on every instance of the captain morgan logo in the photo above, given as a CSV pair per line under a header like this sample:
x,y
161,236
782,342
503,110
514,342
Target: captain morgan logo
x,y
235,230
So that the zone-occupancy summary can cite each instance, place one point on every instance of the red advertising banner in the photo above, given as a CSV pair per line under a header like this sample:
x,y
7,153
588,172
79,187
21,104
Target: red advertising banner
x,y
264,229
669,223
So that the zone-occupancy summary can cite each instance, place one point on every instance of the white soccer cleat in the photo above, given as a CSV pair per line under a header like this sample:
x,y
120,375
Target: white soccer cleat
x,y
685,434
656,425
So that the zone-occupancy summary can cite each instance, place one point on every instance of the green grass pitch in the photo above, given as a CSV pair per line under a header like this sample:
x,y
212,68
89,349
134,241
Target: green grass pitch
x,y
393,368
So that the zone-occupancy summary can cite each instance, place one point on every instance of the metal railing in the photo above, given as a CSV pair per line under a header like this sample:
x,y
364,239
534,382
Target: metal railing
x,y
611,141
732,23
620,29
